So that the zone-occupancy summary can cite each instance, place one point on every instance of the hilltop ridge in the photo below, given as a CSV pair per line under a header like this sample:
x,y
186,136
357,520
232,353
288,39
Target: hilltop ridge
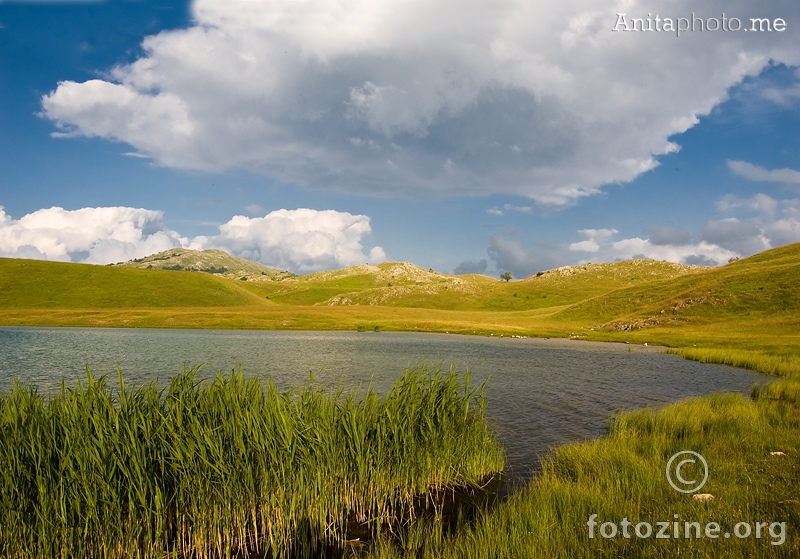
x,y
402,284
211,261
630,300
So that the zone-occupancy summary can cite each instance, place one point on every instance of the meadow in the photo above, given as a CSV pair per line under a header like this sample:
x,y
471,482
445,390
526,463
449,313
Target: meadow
x,y
744,314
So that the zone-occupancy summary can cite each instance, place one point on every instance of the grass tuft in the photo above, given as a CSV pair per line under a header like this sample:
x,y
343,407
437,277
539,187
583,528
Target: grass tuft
x,y
230,466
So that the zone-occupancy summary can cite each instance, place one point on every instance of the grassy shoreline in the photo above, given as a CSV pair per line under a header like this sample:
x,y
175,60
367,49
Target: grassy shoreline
x,y
621,477
752,446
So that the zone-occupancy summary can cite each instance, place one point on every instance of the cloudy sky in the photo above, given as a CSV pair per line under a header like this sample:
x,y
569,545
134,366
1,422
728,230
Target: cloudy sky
x,y
464,136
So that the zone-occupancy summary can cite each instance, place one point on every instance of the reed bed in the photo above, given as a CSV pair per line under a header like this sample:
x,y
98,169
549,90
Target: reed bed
x,y
230,467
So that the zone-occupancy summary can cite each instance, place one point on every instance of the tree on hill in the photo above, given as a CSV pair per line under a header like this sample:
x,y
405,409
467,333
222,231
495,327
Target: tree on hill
x,y
506,276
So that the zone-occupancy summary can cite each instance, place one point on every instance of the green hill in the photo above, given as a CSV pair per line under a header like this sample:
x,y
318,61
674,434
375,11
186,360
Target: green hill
x,y
210,261
753,301
400,284
762,286
40,284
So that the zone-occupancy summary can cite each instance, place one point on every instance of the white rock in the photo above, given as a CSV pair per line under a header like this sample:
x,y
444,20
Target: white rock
x,y
702,497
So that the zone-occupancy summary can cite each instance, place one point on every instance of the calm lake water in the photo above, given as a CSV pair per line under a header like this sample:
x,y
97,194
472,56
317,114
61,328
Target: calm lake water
x,y
541,392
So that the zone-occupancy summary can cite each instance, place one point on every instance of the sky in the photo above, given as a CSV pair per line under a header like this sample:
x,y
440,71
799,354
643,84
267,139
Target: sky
x,y
464,136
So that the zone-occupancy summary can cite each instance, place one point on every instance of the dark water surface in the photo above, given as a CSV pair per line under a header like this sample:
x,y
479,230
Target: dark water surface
x,y
541,392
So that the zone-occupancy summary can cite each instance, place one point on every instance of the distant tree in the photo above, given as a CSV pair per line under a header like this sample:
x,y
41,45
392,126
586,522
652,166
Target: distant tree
x,y
506,276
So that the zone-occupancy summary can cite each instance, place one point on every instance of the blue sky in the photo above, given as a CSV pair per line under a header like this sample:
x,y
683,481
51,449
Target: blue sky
x,y
462,136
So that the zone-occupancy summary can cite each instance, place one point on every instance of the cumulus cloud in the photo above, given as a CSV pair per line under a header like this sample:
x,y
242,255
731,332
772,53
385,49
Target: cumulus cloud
x,y
509,255
299,240
91,235
758,223
759,203
760,174
704,253
741,237
660,236
471,267
539,99
595,237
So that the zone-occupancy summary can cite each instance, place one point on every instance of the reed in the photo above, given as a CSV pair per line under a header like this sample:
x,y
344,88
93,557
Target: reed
x,y
230,466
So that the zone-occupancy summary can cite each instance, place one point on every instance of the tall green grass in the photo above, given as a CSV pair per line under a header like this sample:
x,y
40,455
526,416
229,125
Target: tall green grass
x,y
231,466
623,476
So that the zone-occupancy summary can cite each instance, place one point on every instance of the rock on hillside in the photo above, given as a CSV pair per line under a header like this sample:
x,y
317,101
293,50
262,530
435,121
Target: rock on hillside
x,y
397,272
391,281
637,268
209,261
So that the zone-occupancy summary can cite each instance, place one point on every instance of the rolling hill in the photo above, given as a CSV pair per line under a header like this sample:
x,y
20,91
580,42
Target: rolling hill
x,y
37,284
210,261
762,286
401,284
751,302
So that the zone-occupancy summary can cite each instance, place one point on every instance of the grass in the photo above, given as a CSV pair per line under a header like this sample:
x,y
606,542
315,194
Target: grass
x,y
622,476
219,469
35,284
770,364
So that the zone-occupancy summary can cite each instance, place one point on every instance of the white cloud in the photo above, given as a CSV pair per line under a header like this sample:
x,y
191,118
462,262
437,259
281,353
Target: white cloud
x,y
92,235
520,209
700,253
299,240
761,223
539,99
758,203
760,174
595,237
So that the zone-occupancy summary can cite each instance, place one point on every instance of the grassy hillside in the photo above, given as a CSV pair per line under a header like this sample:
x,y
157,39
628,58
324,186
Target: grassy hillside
x,y
761,286
751,303
36,284
400,284
208,261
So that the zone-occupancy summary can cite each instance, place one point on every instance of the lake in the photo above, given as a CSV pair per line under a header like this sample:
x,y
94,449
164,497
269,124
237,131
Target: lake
x,y
540,393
